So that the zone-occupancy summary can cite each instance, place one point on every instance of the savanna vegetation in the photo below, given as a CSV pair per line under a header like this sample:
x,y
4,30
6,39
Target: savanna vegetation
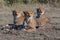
x,y
11,2
32,1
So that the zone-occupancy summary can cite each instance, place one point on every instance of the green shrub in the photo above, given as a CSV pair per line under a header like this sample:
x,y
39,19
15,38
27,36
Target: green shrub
x,y
11,1
42,1
25,1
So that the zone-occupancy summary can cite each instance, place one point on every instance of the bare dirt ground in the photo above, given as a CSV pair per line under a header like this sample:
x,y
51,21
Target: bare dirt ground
x,y
51,33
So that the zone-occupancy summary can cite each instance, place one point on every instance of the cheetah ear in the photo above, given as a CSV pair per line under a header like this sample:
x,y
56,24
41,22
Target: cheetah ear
x,y
25,12
14,12
37,9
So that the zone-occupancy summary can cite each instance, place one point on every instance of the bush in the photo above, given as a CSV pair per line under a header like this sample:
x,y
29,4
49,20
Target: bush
x,y
16,1
42,1
11,1
25,1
